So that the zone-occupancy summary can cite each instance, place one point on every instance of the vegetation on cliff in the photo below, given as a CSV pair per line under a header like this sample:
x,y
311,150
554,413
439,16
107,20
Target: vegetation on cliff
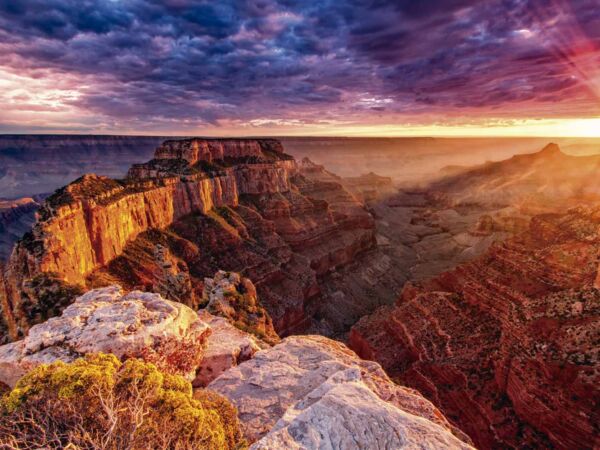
x,y
234,297
99,402
46,295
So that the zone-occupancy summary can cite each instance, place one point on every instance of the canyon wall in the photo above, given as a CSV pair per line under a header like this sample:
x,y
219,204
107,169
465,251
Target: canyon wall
x,y
87,224
506,345
85,229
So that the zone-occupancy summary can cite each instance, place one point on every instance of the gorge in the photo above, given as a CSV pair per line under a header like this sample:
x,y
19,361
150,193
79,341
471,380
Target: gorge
x,y
495,319
259,214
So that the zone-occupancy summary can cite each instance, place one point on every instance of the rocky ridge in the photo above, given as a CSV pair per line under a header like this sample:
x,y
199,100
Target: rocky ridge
x,y
506,345
283,393
535,182
243,202
298,394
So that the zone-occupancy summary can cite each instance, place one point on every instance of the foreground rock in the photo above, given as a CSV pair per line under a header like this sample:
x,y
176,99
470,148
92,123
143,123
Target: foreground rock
x,y
139,324
312,392
226,347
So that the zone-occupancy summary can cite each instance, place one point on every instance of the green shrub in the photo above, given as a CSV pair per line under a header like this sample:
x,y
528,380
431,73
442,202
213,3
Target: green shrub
x,y
99,402
46,295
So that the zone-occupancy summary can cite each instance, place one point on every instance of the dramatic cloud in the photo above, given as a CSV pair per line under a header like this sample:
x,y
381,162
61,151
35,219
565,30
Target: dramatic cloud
x,y
188,66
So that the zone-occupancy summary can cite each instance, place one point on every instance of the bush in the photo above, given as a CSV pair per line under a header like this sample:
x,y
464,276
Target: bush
x,y
97,402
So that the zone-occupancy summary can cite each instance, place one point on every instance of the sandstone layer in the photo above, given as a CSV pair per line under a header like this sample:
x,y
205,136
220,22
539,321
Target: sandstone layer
x,y
235,204
507,345
312,392
138,324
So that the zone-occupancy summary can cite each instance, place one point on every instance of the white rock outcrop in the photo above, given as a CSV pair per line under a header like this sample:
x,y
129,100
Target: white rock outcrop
x,y
218,289
138,324
313,392
343,413
226,347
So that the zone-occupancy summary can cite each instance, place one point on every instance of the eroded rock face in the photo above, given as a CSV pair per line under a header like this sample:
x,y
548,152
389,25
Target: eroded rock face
x,y
506,345
172,278
234,297
226,347
239,205
138,324
287,386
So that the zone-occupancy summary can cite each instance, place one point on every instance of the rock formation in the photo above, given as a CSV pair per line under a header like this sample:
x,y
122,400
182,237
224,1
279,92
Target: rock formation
x,y
236,204
506,345
312,392
234,297
227,346
139,324
538,182
172,279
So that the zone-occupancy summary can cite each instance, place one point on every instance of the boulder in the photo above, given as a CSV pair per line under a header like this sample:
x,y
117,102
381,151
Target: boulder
x,y
226,347
344,413
138,324
281,393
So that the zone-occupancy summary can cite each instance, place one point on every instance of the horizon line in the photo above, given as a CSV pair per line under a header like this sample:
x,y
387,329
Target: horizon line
x,y
316,136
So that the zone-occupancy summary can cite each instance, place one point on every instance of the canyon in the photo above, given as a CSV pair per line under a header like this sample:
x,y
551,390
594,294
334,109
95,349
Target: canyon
x,y
239,205
506,342
505,345
38,164
477,288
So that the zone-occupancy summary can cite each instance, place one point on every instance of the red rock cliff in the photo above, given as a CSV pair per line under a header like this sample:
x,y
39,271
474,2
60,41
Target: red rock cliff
x,y
220,197
507,345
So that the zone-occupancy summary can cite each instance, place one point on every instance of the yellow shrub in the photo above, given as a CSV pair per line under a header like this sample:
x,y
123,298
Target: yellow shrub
x,y
99,402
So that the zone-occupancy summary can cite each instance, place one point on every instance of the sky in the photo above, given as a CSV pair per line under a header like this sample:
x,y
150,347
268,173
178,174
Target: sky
x,y
301,67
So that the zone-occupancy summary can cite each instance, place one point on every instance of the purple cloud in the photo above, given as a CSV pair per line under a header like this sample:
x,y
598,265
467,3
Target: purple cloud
x,y
201,62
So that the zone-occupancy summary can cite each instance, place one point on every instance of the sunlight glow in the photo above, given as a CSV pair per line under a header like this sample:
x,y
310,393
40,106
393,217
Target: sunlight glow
x,y
523,128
